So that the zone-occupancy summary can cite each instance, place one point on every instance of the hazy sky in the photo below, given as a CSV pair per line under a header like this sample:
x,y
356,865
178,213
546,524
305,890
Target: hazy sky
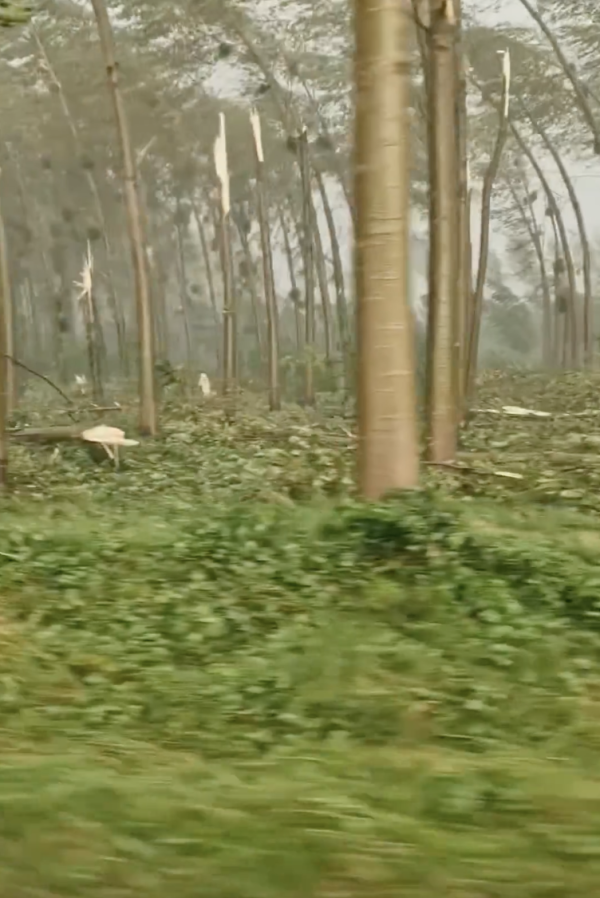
x,y
583,167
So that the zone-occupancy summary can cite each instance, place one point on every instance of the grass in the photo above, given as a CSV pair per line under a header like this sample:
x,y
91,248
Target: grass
x,y
221,675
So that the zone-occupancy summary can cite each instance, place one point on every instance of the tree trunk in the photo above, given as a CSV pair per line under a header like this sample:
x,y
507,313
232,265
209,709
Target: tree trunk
x,y
295,293
443,236
8,379
252,289
184,296
484,239
587,329
209,280
321,271
148,419
338,280
388,440
564,240
268,279
91,340
532,229
569,70
5,365
229,310
463,259
309,275
114,304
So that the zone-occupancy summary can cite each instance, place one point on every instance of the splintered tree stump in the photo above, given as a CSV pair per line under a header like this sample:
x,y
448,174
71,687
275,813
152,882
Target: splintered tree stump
x,y
100,440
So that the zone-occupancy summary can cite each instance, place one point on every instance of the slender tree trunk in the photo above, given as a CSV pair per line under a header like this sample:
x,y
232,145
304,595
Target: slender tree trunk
x,y
185,298
257,311
46,271
336,256
443,237
222,227
292,124
484,240
148,419
565,347
571,300
6,367
309,282
268,279
388,440
295,293
114,304
159,304
559,318
36,346
209,280
587,330
91,340
538,243
8,337
229,311
324,131
287,115
532,229
341,302
569,70
321,271
158,298
464,277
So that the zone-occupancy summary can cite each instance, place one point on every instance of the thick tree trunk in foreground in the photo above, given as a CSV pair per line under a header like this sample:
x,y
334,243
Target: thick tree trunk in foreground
x,y
388,441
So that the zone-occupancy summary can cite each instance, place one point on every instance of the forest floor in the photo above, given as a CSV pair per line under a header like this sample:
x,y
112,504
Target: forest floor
x,y
222,676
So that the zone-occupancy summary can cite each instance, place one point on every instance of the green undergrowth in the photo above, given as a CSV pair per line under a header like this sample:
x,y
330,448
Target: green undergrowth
x,y
223,676
265,624
250,699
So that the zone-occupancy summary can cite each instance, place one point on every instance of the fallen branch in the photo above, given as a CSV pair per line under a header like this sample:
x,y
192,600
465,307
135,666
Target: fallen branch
x,y
509,475
93,409
43,377
63,434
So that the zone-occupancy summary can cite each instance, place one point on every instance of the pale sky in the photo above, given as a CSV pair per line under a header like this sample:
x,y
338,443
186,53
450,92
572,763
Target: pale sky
x,y
584,168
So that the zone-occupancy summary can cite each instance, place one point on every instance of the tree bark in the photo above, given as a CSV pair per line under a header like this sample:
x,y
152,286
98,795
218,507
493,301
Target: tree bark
x,y
210,282
587,330
295,294
7,379
388,456
463,259
532,229
113,300
443,236
251,283
309,274
268,278
569,71
148,419
5,366
484,241
564,240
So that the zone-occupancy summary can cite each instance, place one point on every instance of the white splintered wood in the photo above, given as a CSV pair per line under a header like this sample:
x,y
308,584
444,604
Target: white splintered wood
x,y
221,165
506,79
256,130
